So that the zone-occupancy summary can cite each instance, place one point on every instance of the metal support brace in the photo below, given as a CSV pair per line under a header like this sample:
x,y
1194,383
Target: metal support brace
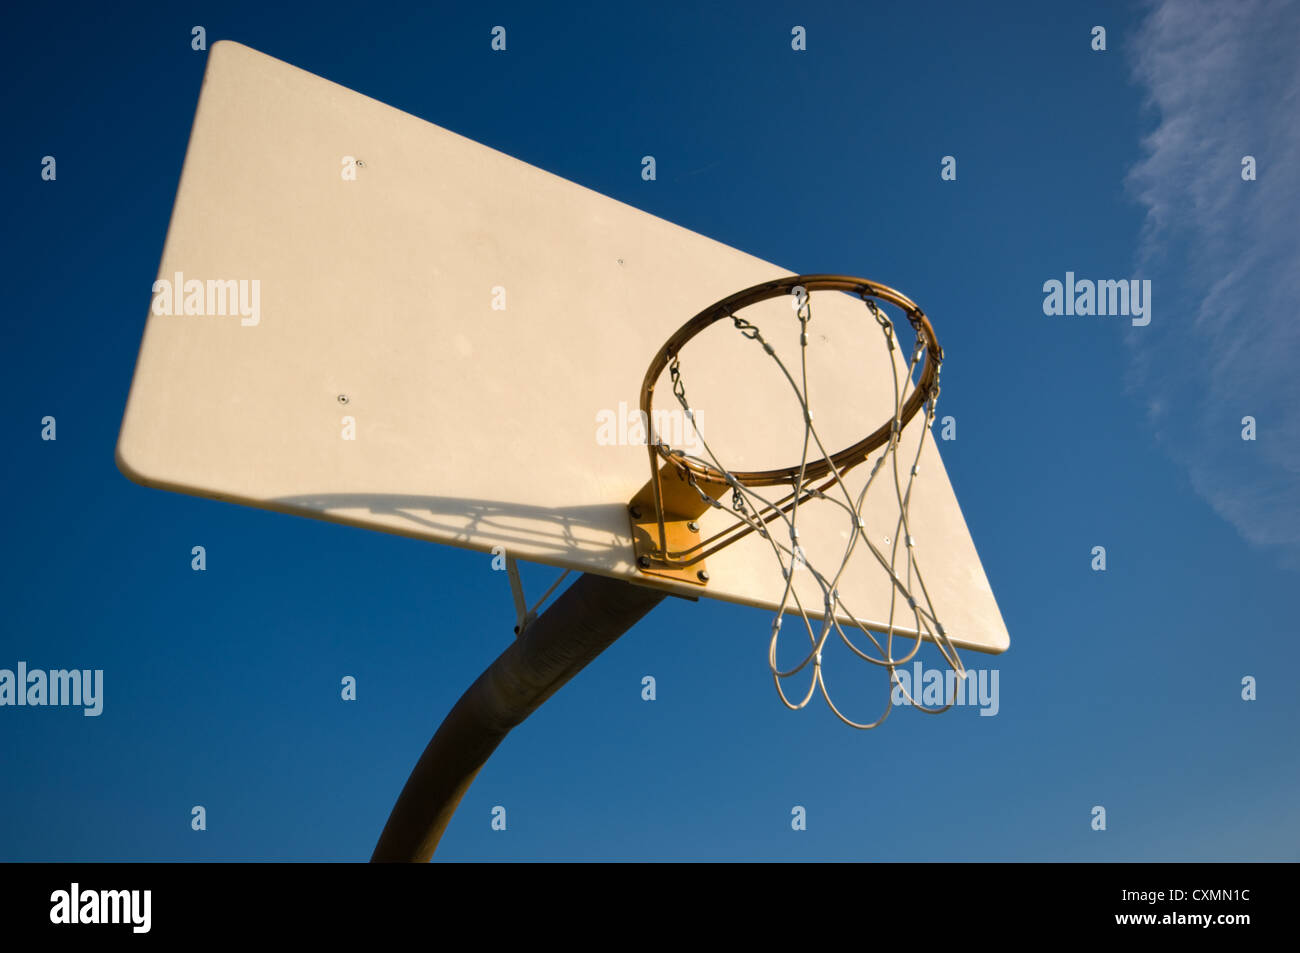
x,y
524,616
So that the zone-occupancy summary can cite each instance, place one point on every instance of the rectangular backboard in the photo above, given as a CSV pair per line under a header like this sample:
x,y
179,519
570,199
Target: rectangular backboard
x,y
365,318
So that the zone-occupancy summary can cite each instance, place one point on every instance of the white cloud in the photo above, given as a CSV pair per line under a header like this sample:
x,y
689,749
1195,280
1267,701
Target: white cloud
x,y
1222,81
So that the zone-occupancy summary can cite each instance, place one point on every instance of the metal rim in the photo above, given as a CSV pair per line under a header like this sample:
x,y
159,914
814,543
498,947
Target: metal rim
x,y
848,457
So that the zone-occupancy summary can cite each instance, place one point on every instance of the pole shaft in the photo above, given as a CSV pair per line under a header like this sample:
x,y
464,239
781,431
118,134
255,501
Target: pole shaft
x,y
582,622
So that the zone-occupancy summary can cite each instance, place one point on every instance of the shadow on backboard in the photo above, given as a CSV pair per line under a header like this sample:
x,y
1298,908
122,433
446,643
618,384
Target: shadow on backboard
x,y
581,534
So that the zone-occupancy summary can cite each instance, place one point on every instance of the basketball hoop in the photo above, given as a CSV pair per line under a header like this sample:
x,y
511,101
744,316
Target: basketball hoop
x,y
683,486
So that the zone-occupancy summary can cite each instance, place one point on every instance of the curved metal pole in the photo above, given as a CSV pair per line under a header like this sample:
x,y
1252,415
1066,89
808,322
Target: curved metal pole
x,y
582,622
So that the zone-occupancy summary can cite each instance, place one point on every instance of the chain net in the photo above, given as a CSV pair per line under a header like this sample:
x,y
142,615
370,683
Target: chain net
x,y
777,522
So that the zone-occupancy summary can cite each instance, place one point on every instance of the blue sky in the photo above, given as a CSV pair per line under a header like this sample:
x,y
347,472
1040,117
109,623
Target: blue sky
x,y
1121,689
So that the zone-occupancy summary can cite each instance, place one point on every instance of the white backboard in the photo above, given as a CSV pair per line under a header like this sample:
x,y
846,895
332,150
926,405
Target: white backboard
x,y
441,341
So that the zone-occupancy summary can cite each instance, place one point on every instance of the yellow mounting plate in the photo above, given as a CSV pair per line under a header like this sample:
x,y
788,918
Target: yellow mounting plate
x,y
682,507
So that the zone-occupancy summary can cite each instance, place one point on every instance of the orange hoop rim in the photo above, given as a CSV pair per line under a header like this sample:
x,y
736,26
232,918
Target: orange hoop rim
x,y
845,459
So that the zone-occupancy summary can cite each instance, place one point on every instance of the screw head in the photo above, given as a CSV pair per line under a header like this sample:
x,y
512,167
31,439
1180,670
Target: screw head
x,y
643,562
703,575
693,526
343,398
